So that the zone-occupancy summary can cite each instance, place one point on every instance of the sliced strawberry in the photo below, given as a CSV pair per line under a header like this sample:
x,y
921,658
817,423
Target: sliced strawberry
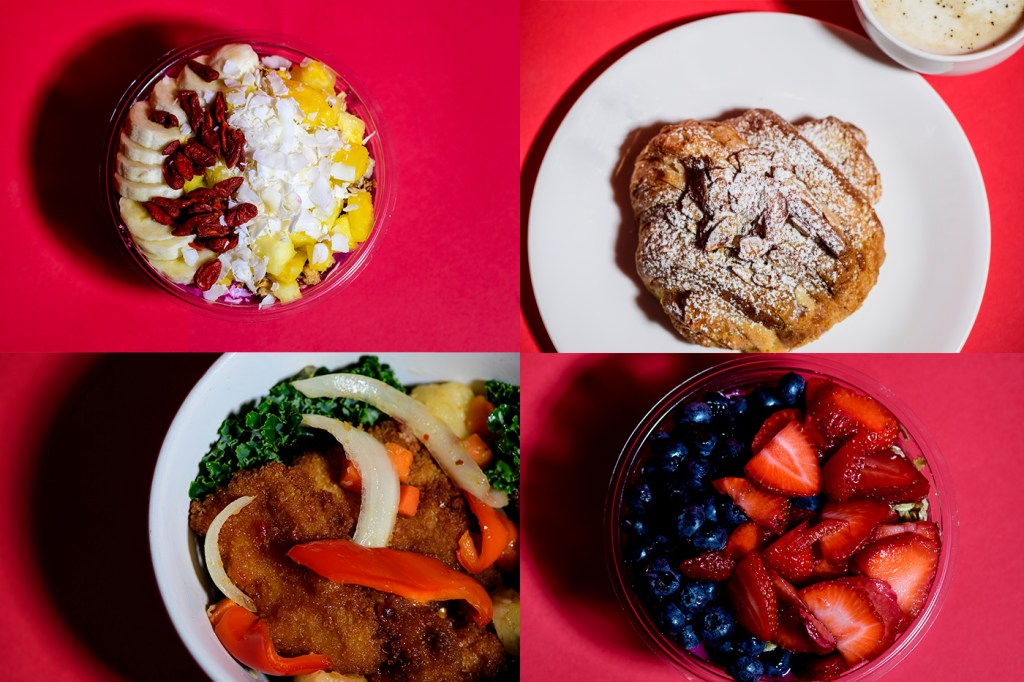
x,y
923,528
827,570
753,597
746,537
791,555
770,511
814,435
815,385
772,425
714,566
907,562
841,412
787,464
799,631
842,472
892,477
883,599
850,616
818,668
862,517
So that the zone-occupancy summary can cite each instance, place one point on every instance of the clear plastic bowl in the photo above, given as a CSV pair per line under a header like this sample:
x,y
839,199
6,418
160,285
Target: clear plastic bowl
x,y
347,266
744,374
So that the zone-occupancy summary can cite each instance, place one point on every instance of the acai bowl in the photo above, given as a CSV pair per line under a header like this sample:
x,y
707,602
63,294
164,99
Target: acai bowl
x,y
246,176
730,565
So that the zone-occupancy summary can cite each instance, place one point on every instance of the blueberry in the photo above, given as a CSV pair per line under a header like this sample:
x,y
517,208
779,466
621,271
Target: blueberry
x,y
637,527
749,645
694,413
716,624
639,497
776,662
690,520
702,441
739,405
791,388
718,403
672,620
662,579
763,399
693,597
651,471
746,669
811,504
729,514
710,510
642,550
710,589
711,537
688,637
696,473
722,652
730,454
668,448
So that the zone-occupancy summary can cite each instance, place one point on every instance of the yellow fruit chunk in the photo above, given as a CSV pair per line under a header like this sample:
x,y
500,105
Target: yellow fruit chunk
x,y
313,103
315,74
361,217
276,250
286,293
356,156
293,268
301,240
323,265
194,183
343,227
217,173
352,127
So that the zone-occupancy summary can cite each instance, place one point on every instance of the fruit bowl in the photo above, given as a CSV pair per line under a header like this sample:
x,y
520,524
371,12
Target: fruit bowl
x,y
316,188
734,379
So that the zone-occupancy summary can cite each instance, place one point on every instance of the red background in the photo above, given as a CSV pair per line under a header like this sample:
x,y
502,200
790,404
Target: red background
x,y
443,75
578,411
565,45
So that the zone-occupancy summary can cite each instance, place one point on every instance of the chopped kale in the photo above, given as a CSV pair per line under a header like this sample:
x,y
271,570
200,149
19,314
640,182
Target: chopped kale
x,y
270,430
503,423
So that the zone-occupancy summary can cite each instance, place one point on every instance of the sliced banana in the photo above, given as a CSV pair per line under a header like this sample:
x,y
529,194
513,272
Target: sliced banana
x,y
141,225
146,132
242,57
163,249
143,191
136,152
188,80
138,172
178,271
165,98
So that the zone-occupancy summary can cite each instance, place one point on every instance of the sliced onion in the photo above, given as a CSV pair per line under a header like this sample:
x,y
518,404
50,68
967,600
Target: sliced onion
x,y
214,561
444,446
379,506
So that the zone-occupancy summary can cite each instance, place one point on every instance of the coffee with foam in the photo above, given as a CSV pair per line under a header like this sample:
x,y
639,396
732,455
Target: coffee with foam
x,y
949,26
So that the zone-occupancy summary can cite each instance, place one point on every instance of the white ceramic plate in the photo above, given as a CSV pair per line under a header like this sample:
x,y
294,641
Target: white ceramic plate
x,y
934,209
233,380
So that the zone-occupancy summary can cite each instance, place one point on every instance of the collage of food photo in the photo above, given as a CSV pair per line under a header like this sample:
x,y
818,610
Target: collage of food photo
x,y
304,380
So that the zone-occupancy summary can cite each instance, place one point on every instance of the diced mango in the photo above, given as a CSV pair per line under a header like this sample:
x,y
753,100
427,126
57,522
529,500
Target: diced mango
x,y
361,217
356,156
352,127
277,251
313,103
324,264
315,74
287,292
301,240
195,182
343,227
293,268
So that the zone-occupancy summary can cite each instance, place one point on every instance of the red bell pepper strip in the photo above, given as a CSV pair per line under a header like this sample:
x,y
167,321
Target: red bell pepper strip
x,y
509,559
407,574
494,538
247,638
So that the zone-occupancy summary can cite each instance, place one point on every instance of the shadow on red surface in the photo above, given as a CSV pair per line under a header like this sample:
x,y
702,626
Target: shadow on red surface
x,y
90,509
567,478
69,139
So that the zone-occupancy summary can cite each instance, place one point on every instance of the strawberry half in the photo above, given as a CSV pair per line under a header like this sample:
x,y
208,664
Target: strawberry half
x,y
772,425
787,464
861,516
883,599
753,597
714,566
850,616
791,555
770,511
746,537
840,412
907,562
892,477
842,472
799,630
923,528
819,669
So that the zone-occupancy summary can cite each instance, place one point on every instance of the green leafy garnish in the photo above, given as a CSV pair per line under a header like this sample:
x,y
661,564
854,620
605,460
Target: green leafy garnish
x,y
270,430
503,423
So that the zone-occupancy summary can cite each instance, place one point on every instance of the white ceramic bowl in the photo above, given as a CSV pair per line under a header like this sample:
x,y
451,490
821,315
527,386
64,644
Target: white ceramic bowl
x,y
930,62
230,382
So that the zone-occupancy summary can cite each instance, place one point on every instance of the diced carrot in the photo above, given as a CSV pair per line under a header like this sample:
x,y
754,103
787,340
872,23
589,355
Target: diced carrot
x,y
408,500
479,410
477,449
401,460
